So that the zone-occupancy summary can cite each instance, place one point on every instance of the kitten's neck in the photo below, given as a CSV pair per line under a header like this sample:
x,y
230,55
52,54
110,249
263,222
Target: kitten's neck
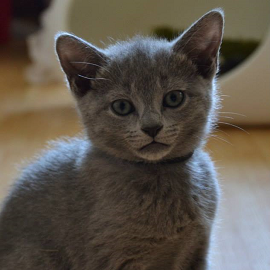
x,y
167,161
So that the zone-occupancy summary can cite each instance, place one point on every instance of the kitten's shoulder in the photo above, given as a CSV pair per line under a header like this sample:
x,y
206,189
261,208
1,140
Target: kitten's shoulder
x,y
46,190
61,156
56,167
205,188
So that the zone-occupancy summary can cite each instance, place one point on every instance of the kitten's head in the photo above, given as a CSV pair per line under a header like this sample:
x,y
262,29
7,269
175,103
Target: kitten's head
x,y
146,99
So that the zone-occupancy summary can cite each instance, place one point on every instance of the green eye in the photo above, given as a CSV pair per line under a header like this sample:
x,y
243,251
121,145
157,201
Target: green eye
x,y
122,107
173,99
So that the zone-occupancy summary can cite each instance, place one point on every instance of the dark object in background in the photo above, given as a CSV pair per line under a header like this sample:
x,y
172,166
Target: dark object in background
x,y
30,9
5,18
233,52
20,18
26,17
167,32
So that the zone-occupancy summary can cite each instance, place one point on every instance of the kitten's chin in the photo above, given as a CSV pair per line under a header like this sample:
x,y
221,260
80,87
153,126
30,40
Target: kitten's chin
x,y
154,151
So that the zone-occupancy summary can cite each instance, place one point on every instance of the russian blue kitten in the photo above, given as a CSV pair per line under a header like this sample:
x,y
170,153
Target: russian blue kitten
x,y
138,192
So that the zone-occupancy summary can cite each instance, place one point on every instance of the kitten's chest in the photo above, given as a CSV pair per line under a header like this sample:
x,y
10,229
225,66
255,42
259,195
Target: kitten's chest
x,y
153,201
146,214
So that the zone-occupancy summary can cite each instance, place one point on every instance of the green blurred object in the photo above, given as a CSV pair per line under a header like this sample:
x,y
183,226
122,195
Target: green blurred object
x,y
233,51
166,32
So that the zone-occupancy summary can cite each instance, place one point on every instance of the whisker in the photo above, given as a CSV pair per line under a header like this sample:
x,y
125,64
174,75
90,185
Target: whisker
x,y
195,48
229,117
222,139
208,149
216,139
234,113
92,64
220,130
94,79
168,136
234,126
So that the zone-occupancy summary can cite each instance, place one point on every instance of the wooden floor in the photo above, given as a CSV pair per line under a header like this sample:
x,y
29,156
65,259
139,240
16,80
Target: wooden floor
x,y
242,240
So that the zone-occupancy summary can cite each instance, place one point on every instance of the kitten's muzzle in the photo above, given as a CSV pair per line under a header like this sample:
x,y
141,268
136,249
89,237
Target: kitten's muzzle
x,y
152,131
154,144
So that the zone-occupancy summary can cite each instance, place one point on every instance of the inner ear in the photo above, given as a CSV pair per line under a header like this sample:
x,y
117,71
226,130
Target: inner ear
x,y
79,60
201,42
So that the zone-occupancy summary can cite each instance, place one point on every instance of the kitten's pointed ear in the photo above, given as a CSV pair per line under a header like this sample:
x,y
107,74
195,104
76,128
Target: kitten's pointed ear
x,y
79,60
201,42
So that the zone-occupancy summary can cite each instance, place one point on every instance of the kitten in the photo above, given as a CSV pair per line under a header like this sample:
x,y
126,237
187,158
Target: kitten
x,y
138,192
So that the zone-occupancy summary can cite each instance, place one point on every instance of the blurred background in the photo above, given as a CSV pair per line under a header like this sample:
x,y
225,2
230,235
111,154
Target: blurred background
x,y
35,105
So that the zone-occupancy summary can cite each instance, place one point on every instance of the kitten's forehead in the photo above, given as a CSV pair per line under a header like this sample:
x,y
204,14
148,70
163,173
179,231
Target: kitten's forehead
x,y
146,67
135,46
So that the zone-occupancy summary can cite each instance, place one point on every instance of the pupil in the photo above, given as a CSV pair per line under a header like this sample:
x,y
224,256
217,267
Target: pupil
x,y
173,98
122,106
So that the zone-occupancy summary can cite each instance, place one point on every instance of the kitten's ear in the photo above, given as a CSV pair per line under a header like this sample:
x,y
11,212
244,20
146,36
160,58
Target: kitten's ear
x,y
201,42
79,60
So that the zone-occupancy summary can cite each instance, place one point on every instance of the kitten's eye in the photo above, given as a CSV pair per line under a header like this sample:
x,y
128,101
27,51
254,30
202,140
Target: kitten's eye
x,y
173,99
122,107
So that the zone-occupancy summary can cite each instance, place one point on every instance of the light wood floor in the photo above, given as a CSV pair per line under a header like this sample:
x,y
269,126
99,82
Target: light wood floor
x,y
242,240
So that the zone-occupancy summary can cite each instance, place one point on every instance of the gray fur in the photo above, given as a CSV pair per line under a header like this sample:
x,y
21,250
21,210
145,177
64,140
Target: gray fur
x,y
101,202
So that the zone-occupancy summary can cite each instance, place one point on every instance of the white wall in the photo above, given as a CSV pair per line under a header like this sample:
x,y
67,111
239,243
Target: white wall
x,y
95,20
247,88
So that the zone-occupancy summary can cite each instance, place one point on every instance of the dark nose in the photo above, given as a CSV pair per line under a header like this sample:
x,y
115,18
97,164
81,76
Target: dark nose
x,y
152,131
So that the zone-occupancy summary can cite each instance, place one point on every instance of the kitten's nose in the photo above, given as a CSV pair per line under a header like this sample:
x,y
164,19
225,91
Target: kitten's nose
x,y
152,131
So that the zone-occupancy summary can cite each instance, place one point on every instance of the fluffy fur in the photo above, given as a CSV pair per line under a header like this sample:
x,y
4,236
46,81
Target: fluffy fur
x,y
111,200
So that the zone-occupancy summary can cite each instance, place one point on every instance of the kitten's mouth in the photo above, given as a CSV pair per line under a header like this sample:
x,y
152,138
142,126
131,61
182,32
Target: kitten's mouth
x,y
154,146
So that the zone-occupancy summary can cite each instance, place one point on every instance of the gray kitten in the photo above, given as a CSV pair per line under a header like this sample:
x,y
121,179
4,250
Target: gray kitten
x,y
142,194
